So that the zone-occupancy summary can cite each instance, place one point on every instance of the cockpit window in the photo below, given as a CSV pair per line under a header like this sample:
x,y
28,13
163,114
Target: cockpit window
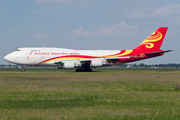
x,y
17,50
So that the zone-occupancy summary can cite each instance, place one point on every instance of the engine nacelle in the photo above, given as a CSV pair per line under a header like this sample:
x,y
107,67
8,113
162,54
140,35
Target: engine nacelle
x,y
96,63
68,65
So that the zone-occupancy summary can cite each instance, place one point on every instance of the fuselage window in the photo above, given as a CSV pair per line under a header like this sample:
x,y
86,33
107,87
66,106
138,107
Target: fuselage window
x,y
35,50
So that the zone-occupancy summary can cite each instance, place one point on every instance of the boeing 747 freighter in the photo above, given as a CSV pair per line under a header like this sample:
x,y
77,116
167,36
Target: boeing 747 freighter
x,y
84,60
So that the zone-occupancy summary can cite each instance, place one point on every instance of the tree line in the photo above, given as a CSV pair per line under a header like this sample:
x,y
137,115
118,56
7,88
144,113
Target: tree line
x,y
142,65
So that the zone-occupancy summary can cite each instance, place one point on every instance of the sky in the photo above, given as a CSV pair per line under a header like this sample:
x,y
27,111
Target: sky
x,y
89,25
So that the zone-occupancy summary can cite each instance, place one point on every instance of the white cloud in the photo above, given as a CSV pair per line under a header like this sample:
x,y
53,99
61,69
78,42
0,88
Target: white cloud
x,y
114,29
40,35
17,29
80,31
168,10
60,32
14,29
50,1
162,11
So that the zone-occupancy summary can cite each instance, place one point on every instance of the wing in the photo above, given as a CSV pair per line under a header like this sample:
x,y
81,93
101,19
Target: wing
x,y
87,63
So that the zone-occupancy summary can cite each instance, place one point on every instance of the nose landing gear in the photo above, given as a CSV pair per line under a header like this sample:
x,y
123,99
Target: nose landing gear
x,y
22,69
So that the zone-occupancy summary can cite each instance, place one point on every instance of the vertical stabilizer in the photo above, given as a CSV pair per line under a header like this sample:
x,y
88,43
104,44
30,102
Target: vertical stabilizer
x,y
154,41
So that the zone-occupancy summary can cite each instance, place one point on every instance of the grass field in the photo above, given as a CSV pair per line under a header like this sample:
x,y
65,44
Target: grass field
x,y
101,95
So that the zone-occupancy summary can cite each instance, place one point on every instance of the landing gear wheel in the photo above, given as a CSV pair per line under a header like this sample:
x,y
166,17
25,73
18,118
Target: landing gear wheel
x,y
77,70
83,70
23,70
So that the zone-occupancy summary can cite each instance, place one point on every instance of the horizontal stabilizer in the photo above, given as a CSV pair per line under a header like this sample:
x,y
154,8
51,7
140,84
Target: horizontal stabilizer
x,y
159,52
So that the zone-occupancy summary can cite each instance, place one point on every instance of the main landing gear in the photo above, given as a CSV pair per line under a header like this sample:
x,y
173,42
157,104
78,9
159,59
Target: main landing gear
x,y
22,69
84,70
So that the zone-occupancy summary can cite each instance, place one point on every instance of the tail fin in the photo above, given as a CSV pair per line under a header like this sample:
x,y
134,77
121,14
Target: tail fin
x,y
154,41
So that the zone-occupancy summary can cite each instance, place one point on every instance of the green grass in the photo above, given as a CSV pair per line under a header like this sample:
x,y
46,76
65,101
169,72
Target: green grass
x,y
53,69
101,95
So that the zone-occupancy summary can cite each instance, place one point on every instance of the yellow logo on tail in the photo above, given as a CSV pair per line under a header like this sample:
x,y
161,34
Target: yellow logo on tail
x,y
154,37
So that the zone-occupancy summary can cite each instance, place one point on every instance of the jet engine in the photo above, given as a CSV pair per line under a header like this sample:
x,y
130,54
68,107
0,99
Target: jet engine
x,y
96,63
69,65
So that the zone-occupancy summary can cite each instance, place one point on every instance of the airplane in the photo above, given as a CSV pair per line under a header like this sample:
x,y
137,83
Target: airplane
x,y
85,60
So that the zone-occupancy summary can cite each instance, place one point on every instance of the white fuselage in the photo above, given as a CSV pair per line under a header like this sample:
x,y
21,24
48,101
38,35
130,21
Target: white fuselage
x,y
35,56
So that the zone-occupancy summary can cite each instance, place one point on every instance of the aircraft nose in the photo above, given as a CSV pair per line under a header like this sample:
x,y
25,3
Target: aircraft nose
x,y
8,58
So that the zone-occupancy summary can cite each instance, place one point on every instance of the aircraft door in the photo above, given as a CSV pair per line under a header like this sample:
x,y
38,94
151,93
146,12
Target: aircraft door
x,y
28,56
45,55
33,56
